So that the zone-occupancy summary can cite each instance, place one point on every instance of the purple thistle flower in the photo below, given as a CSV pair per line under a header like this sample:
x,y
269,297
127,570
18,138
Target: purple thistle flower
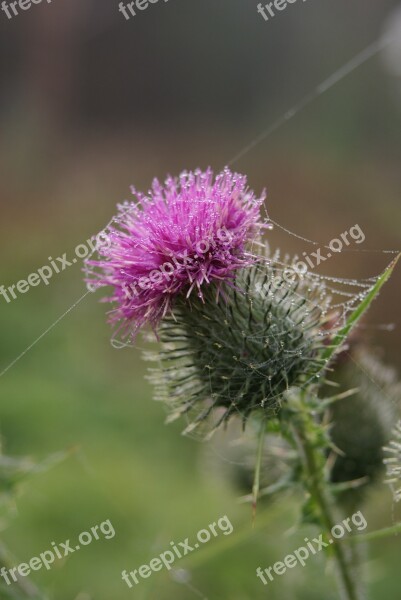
x,y
180,237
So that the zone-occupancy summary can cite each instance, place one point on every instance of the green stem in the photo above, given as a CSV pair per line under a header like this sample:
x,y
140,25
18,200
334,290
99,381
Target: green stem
x,y
316,487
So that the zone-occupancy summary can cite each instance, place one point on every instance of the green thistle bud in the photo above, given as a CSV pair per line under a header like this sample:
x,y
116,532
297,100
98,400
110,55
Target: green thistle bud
x,y
362,424
242,352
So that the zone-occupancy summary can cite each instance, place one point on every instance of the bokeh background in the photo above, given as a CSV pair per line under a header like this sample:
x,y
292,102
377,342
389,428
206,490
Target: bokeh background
x,y
91,103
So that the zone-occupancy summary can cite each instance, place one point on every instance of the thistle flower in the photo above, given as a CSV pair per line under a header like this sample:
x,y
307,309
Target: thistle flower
x,y
178,239
238,337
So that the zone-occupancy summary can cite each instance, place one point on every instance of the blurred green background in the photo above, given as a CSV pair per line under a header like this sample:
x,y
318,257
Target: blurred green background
x,y
91,103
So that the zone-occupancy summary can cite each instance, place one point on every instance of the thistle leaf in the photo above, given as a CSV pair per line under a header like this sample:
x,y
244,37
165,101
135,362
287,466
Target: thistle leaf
x,y
358,313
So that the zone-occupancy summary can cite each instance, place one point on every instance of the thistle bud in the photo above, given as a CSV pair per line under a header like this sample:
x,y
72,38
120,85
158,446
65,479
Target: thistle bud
x,y
242,352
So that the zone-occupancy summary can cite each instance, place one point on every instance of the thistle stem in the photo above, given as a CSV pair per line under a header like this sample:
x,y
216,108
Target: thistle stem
x,y
315,484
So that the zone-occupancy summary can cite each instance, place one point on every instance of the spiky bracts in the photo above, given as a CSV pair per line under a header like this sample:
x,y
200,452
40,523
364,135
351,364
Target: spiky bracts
x,y
242,353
